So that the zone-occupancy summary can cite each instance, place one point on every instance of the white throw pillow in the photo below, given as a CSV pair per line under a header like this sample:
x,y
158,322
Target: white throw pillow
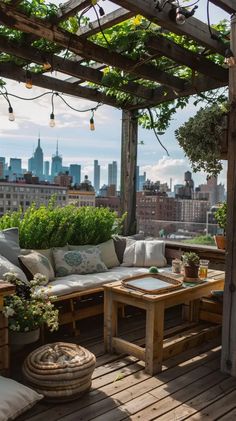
x,y
108,252
144,253
38,263
78,261
7,266
15,398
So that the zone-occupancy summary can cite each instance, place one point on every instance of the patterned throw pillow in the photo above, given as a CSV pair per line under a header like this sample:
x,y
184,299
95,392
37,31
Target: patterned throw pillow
x,y
75,261
38,263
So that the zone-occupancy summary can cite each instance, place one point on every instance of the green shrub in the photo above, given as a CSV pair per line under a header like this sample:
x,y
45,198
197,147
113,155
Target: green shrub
x,y
50,226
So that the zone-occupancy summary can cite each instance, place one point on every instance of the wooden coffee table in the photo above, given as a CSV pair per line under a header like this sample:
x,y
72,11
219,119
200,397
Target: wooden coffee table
x,y
155,305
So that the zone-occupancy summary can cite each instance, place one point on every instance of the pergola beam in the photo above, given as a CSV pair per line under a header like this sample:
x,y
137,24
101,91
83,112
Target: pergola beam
x,y
87,49
8,70
70,8
181,55
72,68
228,6
106,21
193,28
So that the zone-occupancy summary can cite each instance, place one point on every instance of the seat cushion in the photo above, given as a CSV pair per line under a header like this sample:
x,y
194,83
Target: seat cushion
x,y
144,253
75,283
9,245
38,263
15,398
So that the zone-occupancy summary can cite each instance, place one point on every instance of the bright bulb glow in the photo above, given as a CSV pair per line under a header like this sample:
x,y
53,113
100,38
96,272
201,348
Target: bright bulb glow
x,y
92,126
230,61
11,116
46,66
52,122
29,84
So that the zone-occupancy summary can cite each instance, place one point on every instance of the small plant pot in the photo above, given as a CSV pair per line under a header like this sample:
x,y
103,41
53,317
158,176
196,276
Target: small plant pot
x,y
220,241
19,339
191,271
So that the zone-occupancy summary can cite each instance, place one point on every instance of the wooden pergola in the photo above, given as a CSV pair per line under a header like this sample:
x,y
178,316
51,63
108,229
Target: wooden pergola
x,y
86,63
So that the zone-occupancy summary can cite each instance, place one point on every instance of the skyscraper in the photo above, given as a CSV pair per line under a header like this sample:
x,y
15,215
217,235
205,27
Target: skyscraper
x,y
96,178
15,169
112,173
75,172
38,161
56,166
46,169
2,166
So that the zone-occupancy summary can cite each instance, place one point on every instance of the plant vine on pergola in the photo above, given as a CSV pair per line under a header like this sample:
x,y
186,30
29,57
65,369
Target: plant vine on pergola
x,y
139,59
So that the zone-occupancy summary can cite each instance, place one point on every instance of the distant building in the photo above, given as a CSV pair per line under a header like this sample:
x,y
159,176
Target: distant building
x,y
213,191
85,185
63,180
111,202
46,169
81,198
2,166
96,179
137,178
14,169
16,195
56,166
142,180
112,174
75,172
38,161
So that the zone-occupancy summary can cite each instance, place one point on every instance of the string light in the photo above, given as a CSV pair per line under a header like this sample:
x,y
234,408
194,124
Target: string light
x,y
52,121
11,116
46,66
229,60
101,11
91,121
28,81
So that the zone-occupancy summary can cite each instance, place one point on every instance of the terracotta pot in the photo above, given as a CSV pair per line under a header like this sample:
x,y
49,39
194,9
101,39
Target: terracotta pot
x,y
220,241
191,271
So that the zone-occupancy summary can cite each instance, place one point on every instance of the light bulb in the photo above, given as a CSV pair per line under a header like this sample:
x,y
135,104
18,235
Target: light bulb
x,y
46,66
92,126
11,116
52,122
28,82
180,18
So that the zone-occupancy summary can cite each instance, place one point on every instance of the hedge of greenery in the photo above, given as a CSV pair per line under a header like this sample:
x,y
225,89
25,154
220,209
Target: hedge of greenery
x,y
50,226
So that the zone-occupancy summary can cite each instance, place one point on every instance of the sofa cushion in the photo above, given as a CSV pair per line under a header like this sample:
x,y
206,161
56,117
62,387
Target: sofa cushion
x,y
78,261
15,398
108,253
38,263
144,253
7,266
9,244
75,283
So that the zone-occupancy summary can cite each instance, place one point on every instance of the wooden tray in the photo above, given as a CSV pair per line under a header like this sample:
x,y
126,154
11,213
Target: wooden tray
x,y
151,283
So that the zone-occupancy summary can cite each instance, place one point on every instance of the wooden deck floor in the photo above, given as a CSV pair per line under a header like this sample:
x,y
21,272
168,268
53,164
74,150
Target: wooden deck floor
x,y
191,385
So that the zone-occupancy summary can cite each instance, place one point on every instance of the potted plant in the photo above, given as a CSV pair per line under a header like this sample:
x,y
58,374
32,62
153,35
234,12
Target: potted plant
x,y
221,218
191,264
28,309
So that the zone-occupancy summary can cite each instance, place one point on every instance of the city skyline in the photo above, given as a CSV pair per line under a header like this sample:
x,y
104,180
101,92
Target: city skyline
x,y
78,144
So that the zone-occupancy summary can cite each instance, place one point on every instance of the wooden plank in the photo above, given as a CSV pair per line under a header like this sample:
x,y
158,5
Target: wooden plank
x,y
182,55
71,67
227,5
218,408
111,19
129,142
70,8
87,49
14,72
110,320
193,28
122,346
154,338
210,317
83,313
229,307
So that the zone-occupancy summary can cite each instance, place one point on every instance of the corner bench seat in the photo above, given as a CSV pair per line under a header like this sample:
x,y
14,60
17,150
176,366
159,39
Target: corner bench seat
x,y
69,284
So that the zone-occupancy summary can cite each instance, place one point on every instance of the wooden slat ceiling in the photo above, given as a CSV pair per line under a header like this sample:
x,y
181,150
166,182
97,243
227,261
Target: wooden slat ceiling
x,y
206,75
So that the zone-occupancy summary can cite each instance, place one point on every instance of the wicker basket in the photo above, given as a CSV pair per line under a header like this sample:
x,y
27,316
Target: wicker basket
x,y
60,371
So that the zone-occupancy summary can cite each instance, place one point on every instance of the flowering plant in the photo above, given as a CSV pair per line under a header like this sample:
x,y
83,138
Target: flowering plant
x,y
30,307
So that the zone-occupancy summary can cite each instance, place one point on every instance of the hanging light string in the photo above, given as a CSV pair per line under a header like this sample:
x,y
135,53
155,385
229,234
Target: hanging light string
x,y
6,95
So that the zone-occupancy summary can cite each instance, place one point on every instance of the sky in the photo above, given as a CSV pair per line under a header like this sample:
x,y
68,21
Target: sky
x,y
79,145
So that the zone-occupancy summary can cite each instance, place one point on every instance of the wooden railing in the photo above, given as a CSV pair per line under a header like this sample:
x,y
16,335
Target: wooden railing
x,y
215,256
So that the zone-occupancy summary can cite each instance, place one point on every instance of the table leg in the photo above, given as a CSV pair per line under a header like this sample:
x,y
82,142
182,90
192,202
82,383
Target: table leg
x,y
190,310
154,338
110,319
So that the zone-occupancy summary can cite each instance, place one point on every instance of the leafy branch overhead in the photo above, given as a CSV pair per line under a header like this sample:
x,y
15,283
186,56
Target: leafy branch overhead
x,y
201,138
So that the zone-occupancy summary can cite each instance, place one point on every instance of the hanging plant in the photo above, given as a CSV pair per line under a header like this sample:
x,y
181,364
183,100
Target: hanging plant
x,y
201,138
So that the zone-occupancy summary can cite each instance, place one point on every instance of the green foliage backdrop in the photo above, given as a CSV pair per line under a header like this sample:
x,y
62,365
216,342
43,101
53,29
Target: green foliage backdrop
x,y
46,227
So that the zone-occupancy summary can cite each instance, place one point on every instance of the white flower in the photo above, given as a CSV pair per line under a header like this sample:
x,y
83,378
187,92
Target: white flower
x,y
8,311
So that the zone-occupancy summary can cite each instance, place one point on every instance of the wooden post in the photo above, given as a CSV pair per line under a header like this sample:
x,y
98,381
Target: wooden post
x,y
128,169
228,358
